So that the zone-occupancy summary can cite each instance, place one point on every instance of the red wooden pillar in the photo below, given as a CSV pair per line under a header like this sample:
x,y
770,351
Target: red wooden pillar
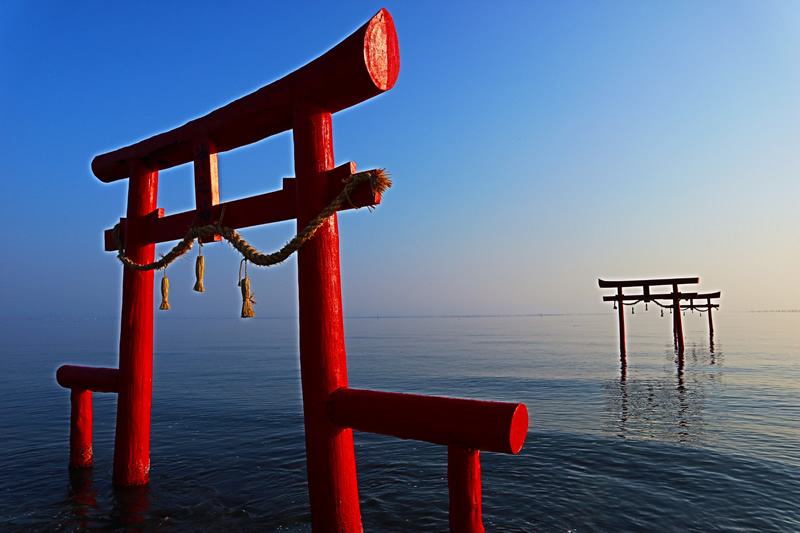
x,y
330,460
677,323
464,484
710,321
80,429
621,313
132,439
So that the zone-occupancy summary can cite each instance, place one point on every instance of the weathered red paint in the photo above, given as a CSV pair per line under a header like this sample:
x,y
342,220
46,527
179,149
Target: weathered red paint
x,y
464,487
132,439
83,380
80,429
490,426
330,459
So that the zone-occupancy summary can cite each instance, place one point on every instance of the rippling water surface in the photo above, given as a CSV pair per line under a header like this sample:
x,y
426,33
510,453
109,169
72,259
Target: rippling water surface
x,y
709,441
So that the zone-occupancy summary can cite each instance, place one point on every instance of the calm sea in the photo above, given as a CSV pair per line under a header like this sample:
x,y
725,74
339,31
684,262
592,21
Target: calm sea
x,y
709,442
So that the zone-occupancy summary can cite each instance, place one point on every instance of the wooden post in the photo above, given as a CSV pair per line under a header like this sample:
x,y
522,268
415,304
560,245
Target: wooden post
x,y
621,323
206,183
464,486
677,323
710,321
80,429
330,459
132,439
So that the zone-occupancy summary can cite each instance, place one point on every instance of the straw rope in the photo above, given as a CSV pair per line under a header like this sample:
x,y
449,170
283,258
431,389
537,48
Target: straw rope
x,y
379,180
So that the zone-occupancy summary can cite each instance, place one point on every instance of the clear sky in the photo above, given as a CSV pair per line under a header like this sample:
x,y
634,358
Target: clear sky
x,y
534,146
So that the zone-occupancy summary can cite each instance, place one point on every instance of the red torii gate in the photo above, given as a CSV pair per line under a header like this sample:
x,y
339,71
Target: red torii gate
x,y
646,296
360,67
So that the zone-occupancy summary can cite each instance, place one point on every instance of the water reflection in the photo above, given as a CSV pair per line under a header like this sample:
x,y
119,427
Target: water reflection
x,y
82,497
130,504
668,403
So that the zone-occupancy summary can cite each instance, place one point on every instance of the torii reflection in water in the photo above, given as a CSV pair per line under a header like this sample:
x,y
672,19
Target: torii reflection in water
x,y
669,406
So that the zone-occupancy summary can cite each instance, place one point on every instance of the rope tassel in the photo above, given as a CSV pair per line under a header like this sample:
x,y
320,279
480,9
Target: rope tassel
x,y
164,292
199,270
247,298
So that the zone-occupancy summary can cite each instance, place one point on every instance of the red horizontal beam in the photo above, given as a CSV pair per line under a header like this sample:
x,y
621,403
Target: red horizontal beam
x,y
90,378
489,426
362,66
646,282
264,208
650,297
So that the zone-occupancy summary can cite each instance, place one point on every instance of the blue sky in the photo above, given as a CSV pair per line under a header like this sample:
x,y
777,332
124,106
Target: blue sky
x,y
535,146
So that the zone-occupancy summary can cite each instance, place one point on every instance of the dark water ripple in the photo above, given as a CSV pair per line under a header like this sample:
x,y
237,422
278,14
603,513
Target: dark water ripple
x,y
707,443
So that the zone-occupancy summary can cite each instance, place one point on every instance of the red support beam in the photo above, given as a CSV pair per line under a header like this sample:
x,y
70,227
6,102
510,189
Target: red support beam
x,y
132,439
88,378
490,426
330,458
464,487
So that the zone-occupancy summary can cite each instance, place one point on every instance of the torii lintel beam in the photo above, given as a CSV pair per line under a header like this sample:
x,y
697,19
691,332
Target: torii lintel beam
x,y
266,208
651,297
362,66
645,282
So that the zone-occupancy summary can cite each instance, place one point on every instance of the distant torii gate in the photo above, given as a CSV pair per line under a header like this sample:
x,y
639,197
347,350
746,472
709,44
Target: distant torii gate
x,y
708,306
646,296
360,67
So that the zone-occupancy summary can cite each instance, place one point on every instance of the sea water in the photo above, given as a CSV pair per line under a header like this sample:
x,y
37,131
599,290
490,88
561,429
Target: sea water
x,y
655,441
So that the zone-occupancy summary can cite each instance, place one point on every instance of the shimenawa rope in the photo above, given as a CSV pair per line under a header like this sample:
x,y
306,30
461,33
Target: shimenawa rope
x,y
379,180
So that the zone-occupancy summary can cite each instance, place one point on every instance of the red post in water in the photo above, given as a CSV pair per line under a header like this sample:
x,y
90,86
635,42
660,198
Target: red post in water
x,y
676,318
621,323
330,459
464,486
80,429
710,320
132,439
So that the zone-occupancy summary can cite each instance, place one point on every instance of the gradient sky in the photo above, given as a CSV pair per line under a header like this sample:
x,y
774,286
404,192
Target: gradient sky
x,y
534,146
